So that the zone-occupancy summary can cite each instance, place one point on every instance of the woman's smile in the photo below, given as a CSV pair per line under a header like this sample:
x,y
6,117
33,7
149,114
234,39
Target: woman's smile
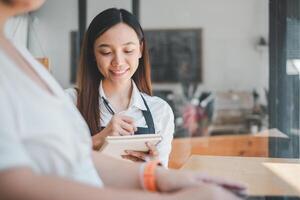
x,y
119,72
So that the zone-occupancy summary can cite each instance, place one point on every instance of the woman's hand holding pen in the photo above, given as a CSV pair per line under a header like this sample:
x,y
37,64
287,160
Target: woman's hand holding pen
x,y
124,125
140,156
118,125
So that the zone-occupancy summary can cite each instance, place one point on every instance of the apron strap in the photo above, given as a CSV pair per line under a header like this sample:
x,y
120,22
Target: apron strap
x,y
149,121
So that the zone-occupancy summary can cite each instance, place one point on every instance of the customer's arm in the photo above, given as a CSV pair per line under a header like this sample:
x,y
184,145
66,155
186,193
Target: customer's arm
x,y
22,183
123,174
117,173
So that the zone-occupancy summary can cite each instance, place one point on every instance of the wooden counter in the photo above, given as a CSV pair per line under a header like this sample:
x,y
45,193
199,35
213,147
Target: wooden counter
x,y
264,176
250,145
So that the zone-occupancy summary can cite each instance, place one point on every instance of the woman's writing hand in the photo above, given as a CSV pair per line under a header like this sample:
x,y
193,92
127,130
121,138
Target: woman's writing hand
x,y
118,125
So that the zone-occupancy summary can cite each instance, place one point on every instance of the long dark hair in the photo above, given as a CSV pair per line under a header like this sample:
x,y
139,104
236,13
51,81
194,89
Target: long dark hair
x,y
89,77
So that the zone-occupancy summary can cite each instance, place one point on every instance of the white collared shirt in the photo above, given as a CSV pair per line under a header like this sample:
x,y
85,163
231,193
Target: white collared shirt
x,y
161,112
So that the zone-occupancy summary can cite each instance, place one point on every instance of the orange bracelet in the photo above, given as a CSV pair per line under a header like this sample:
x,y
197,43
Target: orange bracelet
x,y
149,179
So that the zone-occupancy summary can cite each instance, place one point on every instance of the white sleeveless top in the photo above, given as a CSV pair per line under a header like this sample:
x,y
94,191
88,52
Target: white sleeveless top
x,y
38,130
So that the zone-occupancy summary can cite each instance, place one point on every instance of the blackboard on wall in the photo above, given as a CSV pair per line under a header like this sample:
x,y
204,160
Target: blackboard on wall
x,y
175,55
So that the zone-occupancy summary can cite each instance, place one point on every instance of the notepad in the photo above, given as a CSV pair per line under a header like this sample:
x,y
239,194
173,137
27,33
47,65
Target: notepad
x,y
115,146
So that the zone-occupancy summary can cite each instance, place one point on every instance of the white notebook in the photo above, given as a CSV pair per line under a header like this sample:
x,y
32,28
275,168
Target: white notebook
x,y
115,146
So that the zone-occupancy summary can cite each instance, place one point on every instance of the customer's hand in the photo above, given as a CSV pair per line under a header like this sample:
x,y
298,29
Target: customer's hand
x,y
174,180
204,192
140,156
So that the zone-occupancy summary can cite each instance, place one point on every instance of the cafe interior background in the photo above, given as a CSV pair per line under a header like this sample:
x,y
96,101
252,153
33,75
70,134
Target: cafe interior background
x,y
229,69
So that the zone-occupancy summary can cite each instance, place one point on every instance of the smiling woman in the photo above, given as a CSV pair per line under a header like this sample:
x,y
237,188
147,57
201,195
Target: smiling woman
x,y
117,60
114,92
